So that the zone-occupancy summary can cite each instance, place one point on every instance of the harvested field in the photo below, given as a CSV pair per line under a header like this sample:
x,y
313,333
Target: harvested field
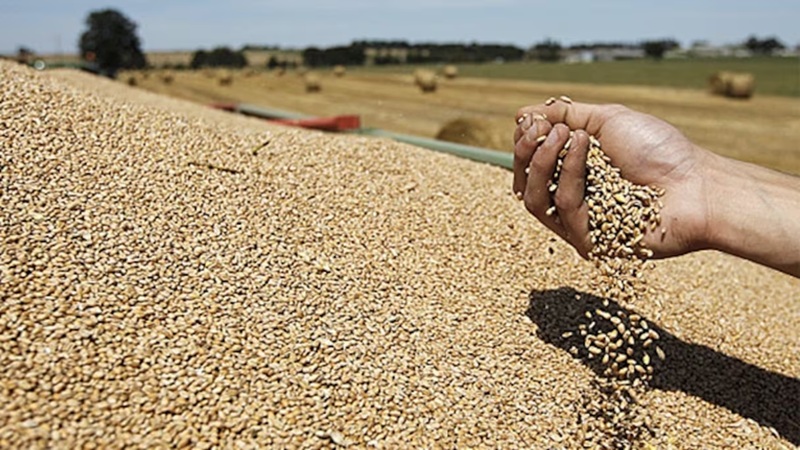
x,y
764,130
176,276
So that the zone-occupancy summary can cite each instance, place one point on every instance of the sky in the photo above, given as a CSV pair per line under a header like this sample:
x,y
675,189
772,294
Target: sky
x,y
54,26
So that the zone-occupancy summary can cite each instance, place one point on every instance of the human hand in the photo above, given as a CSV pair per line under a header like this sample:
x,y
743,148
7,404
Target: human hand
x,y
647,150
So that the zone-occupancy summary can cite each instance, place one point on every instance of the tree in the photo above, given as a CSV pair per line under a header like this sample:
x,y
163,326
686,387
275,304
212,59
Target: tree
x,y
656,49
547,50
753,44
111,43
772,44
763,46
312,57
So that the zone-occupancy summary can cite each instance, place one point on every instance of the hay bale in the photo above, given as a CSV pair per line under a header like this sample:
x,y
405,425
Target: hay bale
x,y
312,82
425,79
741,85
225,79
478,132
339,70
131,80
167,77
450,71
732,84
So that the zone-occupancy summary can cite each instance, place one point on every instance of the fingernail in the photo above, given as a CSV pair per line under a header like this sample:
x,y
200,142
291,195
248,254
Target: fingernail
x,y
531,133
527,121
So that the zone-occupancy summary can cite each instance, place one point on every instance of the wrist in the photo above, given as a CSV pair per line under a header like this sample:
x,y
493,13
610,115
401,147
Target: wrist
x,y
716,176
752,212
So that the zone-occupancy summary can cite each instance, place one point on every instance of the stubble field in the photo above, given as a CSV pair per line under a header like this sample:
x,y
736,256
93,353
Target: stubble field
x,y
762,130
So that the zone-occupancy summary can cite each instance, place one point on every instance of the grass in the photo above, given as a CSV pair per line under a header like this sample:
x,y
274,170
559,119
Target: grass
x,y
774,76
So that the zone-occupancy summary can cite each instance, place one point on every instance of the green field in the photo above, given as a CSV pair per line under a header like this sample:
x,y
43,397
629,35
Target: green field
x,y
774,76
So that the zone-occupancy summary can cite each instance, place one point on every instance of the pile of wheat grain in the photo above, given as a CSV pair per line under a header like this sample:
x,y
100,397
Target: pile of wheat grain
x,y
172,276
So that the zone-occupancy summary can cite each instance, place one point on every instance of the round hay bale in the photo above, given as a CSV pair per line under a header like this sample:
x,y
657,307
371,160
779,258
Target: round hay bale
x,y
312,82
132,80
741,85
225,79
450,71
478,132
167,77
717,83
339,70
426,80
732,84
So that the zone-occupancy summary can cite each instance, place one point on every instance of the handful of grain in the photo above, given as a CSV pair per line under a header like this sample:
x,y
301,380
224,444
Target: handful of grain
x,y
620,214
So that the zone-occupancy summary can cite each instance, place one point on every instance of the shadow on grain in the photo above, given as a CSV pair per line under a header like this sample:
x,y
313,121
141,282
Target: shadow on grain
x,y
769,398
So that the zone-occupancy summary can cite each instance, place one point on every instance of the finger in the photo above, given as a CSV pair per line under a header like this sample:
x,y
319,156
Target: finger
x,y
525,147
541,168
523,120
523,123
569,196
519,130
575,115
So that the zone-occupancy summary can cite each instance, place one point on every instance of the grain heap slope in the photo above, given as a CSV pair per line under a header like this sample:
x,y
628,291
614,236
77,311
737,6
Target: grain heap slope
x,y
170,276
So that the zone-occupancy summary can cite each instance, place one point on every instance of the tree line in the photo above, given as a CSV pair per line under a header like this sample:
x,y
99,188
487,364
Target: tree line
x,y
765,46
110,43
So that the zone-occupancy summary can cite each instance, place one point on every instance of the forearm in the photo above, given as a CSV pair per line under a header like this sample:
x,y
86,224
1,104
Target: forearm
x,y
754,213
